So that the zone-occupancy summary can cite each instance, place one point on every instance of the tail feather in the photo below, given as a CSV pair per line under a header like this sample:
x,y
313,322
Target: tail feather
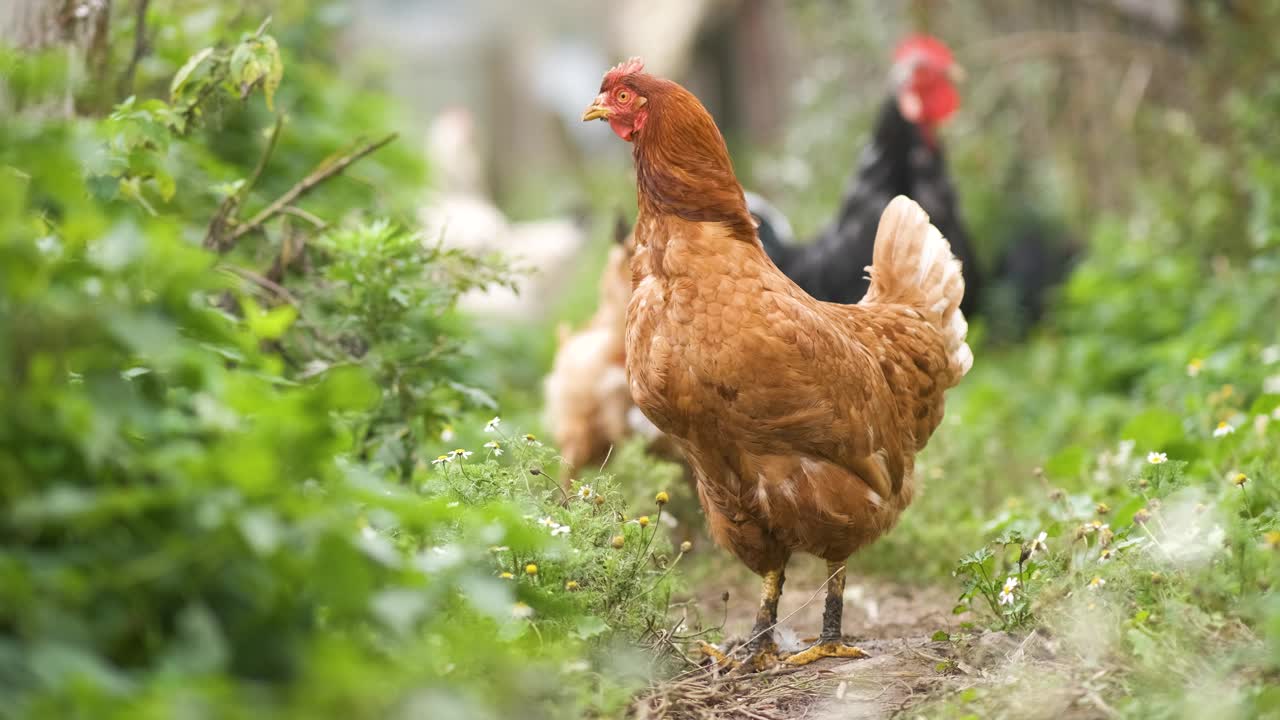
x,y
913,265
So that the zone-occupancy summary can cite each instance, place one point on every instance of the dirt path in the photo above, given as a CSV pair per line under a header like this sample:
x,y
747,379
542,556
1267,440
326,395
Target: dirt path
x,y
892,622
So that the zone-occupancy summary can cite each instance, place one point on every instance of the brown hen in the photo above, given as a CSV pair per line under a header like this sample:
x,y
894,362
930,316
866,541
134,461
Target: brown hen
x,y
800,419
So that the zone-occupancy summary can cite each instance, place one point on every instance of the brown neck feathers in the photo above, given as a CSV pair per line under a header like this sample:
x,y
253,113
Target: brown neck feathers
x,y
682,164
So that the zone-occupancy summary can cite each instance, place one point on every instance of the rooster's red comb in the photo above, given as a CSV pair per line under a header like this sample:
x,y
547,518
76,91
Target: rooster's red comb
x,y
623,69
924,47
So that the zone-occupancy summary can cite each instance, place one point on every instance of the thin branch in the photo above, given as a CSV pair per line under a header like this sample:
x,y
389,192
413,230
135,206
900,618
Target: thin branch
x,y
263,159
303,214
265,283
215,236
306,185
140,47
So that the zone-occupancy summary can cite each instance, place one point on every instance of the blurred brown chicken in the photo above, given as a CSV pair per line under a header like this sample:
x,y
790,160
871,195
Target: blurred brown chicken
x,y
587,399
800,419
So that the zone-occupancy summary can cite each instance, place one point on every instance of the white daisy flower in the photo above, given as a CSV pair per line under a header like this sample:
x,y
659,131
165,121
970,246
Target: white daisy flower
x,y
548,522
1155,458
493,424
464,454
442,459
1106,555
585,492
1006,598
521,611
1039,543
532,439
1224,429
560,530
495,449
1010,583
1096,582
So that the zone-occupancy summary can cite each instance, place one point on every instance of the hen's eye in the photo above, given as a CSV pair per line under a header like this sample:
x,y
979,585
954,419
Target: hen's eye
x,y
624,96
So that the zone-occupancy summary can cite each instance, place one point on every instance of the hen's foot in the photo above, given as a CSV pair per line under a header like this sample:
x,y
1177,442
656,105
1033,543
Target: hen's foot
x,y
717,656
762,659
829,649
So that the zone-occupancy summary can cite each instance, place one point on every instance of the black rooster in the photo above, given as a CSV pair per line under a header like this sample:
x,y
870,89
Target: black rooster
x,y
904,158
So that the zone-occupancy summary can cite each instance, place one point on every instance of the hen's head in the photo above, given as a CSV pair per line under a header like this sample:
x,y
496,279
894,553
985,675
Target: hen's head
x,y
924,76
620,100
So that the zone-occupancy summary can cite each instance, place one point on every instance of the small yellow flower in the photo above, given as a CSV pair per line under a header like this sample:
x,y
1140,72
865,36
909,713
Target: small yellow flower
x,y
532,439
686,546
1224,429
1157,578
1272,539
599,499
1096,582
571,585
1156,458
1102,508
507,576
530,569
662,498
1141,517
1194,367
1240,479
617,542
643,520
1106,555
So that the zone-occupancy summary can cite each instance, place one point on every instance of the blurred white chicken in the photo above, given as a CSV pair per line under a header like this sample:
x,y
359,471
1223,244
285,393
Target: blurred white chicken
x,y
460,214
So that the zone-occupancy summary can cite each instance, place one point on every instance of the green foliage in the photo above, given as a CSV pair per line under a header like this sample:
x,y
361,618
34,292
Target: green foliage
x,y
219,502
1138,432
379,301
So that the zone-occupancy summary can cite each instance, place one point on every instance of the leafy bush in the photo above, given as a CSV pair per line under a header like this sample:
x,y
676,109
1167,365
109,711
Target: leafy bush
x,y
1138,434
220,504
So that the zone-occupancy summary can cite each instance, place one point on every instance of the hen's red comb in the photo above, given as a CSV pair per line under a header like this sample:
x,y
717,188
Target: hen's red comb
x,y
925,47
623,69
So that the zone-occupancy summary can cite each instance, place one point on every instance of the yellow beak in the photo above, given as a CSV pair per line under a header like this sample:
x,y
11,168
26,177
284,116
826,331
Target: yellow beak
x,y
597,110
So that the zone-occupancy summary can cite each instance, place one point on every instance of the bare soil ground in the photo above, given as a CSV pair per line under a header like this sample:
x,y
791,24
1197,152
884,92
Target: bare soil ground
x,y
893,623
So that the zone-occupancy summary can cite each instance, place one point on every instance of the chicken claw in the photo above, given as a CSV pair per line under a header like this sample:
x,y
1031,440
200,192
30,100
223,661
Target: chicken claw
x,y
717,656
825,650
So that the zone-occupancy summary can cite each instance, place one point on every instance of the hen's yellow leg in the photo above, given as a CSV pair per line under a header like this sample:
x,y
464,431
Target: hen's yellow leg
x,y
764,651
830,642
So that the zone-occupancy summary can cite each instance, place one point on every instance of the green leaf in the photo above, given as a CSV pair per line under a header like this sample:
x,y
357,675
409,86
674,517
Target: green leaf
x,y
1265,404
268,324
941,636
184,73
589,626
475,395
275,70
